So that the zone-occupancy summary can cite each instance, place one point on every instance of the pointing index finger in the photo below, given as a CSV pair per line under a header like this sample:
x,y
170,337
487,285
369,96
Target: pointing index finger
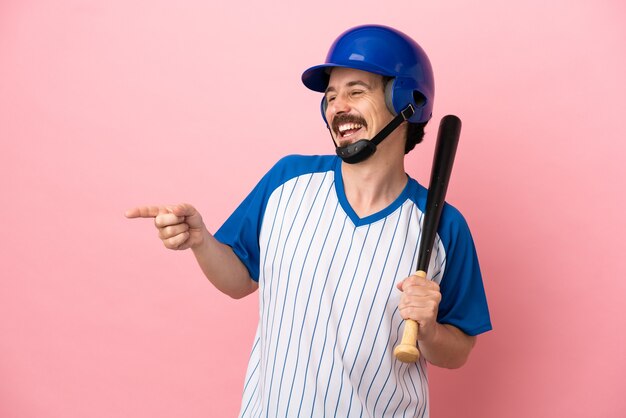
x,y
145,212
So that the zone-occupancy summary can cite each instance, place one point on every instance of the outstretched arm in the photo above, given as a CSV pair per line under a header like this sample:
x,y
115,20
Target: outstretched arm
x,y
181,227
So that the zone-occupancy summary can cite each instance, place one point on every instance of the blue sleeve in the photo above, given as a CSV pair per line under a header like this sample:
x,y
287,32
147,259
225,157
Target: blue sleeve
x,y
463,302
241,230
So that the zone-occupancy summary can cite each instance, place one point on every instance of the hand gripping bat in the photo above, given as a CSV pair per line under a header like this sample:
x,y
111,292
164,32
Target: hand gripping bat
x,y
445,150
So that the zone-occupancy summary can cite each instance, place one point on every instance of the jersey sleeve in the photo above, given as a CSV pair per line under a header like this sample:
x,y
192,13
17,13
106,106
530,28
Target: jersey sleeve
x,y
241,230
463,302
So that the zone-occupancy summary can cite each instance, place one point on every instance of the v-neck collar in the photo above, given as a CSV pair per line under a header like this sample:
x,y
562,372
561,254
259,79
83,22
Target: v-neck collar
x,y
343,200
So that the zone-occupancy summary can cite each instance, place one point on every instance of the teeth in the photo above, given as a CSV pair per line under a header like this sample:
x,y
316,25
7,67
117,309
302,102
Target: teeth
x,y
348,126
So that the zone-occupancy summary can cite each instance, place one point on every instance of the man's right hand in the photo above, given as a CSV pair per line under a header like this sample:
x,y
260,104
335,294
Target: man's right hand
x,y
180,227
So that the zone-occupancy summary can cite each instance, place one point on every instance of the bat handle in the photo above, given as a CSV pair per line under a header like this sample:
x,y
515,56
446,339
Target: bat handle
x,y
407,351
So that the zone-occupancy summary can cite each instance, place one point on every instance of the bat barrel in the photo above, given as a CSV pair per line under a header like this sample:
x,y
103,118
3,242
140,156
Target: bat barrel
x,y
445,151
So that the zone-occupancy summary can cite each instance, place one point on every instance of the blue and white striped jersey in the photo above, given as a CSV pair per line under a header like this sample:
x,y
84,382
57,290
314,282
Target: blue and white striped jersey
x,y
328,302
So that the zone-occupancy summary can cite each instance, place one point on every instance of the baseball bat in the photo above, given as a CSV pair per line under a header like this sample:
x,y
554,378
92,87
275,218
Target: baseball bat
x,y
445,150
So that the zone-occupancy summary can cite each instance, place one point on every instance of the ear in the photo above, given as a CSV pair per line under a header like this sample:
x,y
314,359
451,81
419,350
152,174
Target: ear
x,y
389,96
323,107
402,92
419,99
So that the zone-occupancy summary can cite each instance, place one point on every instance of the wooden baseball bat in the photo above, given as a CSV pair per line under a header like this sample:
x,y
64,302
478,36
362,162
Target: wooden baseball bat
x,y
445,150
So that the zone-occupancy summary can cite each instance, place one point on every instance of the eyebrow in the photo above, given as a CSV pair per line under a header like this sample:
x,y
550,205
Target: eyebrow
x,y
350,84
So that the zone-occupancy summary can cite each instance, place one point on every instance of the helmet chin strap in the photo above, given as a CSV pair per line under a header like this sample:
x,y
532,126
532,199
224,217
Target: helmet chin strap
x,y
362,149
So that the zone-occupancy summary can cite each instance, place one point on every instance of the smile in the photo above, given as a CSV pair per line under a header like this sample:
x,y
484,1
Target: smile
x,y
348,129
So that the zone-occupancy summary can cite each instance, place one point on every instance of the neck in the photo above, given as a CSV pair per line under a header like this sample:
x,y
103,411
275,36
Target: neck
x,y
375,183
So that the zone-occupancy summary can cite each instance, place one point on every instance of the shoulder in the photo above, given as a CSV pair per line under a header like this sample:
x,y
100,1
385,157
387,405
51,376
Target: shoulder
x,y
291,167
303,164
453,229
452,223
452,217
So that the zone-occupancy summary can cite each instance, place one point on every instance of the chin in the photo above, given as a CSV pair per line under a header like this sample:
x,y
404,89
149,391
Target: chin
x,y
346,142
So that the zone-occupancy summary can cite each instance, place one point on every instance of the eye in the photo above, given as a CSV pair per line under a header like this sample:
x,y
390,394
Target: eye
x,y
356,93
330,98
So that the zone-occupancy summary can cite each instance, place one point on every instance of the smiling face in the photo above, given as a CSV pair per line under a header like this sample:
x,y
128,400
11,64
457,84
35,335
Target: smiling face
x,y
356,105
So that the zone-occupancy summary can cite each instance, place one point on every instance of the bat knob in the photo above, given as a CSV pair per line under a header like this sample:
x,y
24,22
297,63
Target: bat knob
x,y
406,353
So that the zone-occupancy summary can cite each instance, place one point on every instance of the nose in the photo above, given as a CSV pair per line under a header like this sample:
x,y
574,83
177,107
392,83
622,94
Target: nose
x,y
339,105
336,107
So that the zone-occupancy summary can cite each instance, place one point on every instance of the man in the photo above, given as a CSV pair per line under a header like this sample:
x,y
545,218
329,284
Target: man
x,y
331,243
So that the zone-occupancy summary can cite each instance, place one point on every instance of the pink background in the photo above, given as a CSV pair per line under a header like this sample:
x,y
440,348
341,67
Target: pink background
x,y
108,104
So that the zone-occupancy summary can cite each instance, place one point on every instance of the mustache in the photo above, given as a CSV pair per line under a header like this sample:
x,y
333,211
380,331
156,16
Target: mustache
x,y
346,118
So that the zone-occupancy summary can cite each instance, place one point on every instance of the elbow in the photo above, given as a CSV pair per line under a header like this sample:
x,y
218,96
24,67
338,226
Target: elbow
x,y
462,356
240,292
457,353
455,363
236,294
450,363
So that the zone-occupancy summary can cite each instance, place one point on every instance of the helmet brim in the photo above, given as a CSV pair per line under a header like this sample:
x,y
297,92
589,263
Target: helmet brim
x,y
316,78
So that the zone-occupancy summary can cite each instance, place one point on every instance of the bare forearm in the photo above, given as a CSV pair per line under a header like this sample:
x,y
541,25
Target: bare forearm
x,y
448,347
223,268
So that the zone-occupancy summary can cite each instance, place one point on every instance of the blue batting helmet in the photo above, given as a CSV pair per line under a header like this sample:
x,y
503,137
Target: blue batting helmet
x,y
388,52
